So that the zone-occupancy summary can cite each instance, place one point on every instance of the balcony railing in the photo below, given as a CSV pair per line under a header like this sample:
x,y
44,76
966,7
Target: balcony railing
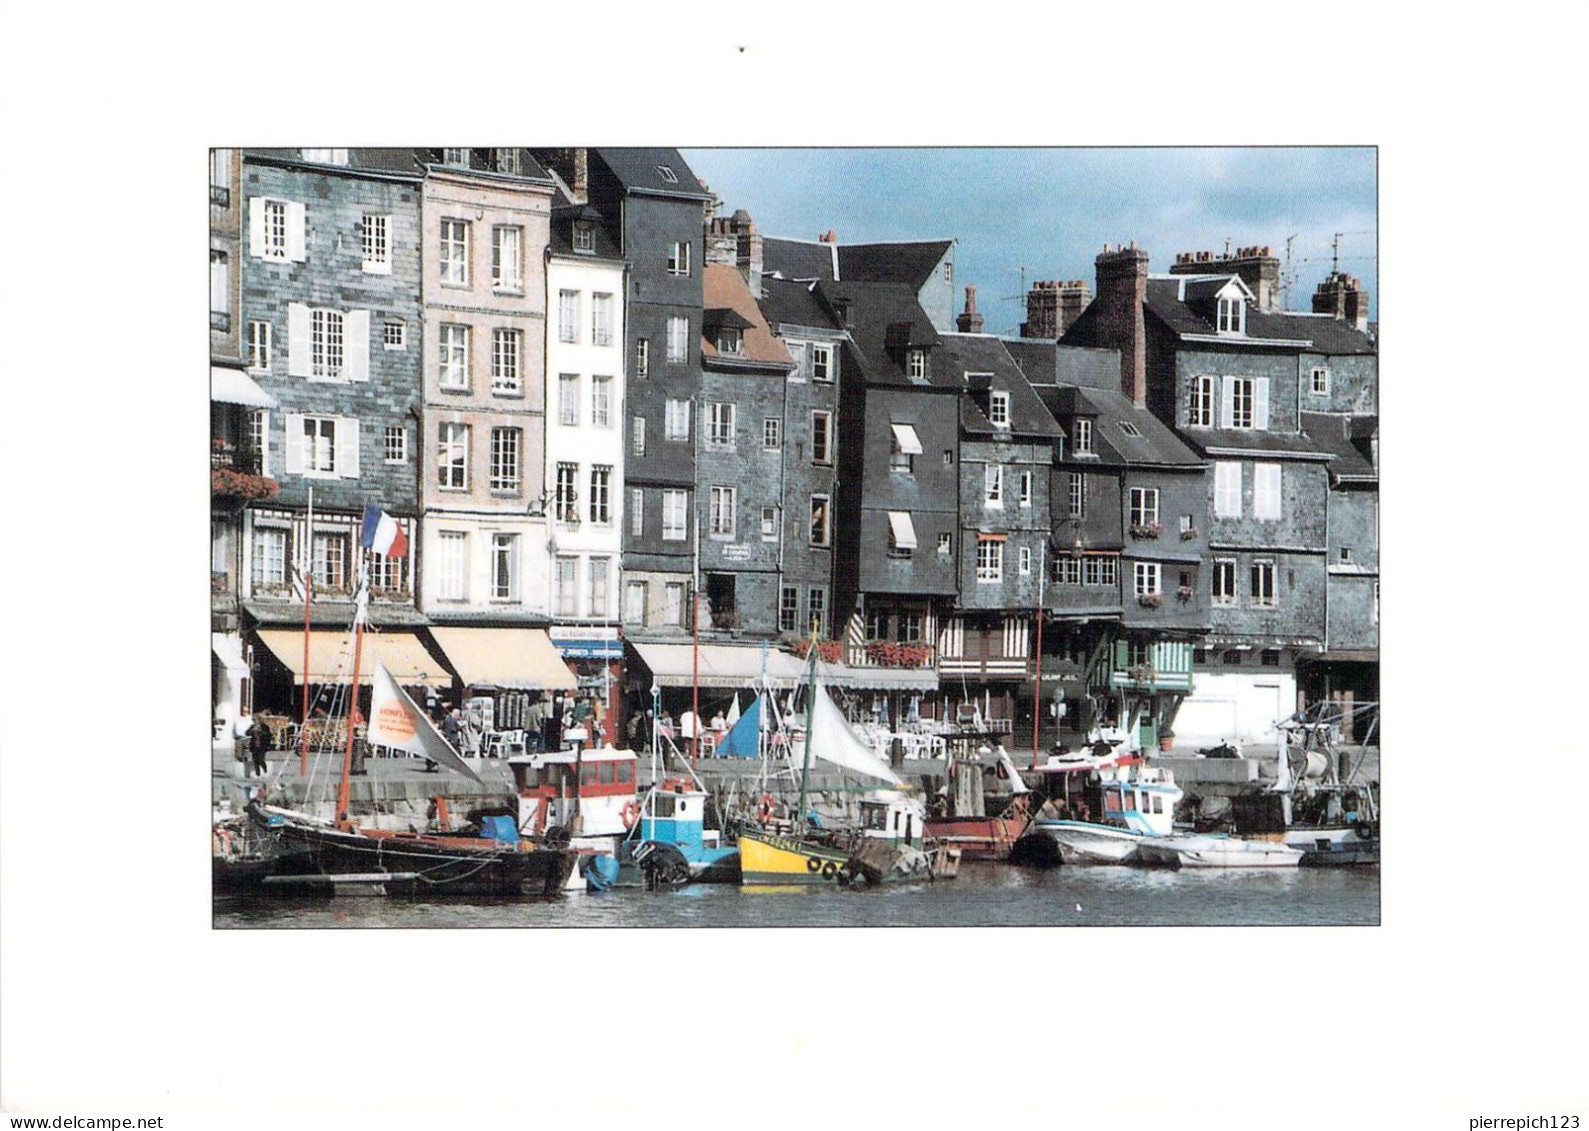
x,y
237,459
220,196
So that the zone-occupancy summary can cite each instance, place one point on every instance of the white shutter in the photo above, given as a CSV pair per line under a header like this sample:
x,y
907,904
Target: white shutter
x,y
294,443
356,341
1260,412
299,322
1227,402
1227,489
264,441
297,232
256,226
348,447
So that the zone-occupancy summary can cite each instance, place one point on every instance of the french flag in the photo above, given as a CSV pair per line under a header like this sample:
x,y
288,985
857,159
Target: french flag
x,y
383,534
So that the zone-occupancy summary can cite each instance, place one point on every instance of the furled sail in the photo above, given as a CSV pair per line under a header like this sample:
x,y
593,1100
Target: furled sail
x,y
832,740
396,721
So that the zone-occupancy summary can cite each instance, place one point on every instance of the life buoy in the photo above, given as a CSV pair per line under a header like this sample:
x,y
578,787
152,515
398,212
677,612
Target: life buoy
x,y
764,810
631,813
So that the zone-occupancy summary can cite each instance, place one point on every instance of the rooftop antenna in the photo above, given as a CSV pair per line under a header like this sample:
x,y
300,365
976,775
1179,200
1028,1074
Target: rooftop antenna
x,y
1335,249
1288,275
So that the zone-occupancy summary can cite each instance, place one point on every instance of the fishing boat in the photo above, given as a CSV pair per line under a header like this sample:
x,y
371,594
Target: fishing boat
x,y
1133,806
966,825
670,844
1208,850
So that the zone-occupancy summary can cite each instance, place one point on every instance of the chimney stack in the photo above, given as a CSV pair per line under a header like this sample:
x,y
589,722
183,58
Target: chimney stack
x,y
829,236
970,322
1052,307
735,242
1342,296
1122,291
1258,267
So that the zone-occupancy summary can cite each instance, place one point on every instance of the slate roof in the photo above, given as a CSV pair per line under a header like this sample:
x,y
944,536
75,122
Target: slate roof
x,y
958,354
1088,366
874,309
908,263
723,288
1259,441
636,169
562,241
796,304
797,259
1157,445
1334,434
1035,356
1195,315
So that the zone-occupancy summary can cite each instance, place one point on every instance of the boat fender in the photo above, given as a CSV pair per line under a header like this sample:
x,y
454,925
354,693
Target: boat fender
x,y
829,869
631,813
813,864
765,809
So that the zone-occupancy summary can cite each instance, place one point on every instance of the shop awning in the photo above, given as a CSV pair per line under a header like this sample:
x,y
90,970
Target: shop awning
x,y
877,679
905,436
721,665
904,529
505,657
331,656
233,386
229,651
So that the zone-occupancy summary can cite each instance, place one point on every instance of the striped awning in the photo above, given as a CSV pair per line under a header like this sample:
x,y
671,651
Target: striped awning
x,y
331,657
877,678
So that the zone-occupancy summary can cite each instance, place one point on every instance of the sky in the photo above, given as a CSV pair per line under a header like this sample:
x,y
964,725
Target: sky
x,y
1052,210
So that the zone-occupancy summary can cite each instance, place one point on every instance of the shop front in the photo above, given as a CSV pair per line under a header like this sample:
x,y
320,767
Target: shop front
x,y
594,653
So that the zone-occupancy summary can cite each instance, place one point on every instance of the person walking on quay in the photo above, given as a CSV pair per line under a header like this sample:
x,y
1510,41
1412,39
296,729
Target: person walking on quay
x,y
452,728
259,743
534,721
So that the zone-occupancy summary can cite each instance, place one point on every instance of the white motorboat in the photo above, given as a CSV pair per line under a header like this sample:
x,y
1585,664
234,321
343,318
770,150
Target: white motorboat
x,y
1210,851
1134,808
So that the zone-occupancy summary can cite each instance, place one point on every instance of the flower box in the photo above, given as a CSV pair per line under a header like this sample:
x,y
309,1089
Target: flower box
x,y
1183,594
828,651
1188,534
1146,529
230,485
1150,600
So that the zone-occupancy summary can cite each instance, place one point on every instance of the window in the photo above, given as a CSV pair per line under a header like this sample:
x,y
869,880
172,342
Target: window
x,y
910,625
601,319
771,433
1082,445
221,177
325,156
269,564
679,257
220,291
1130,429
1376,603
1078,495
505,161
505,447
259,346
876,624
1246,403
1227,489
730,340
319,445
274,233
821,531
678,339
673,603
506,347
568,399
507,260
454,356
452,456
504,567
1231,657
458,158
1269,658
565,499
1026,560
637,512
948,272
601,401
1067,571
642,357
667,174
453,545
821,363
375,244
1263,584
601,494
916,365
1232,316
567,586
675,508
945,544
999,409
676,426
634,602
990,561
330,561
1200,414
585,240
1187,531
1146,578
1346,553
770,524
993,485
948,457
822,437
637,435
1319,383
720,424
1144,506
568,316
817,610
1026,489
1241,403
1099,569
259,437
1266,490
396,446
788,609
455,253
599,575
722,512
326,345
394,334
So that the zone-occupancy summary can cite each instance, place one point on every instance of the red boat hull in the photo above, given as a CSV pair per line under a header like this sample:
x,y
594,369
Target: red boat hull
x,y
978,838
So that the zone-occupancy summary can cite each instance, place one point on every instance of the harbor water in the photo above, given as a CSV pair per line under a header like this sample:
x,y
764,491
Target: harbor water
x,y
984,895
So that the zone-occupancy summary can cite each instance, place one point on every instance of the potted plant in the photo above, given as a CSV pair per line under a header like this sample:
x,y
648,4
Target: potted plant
x,y
1146,529
1183,594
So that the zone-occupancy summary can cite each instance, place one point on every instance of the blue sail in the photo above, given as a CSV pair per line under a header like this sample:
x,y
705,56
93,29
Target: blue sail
x,y
743,739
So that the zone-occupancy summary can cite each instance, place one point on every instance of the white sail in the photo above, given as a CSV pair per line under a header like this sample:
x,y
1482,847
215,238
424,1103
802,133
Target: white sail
x,y
1010,773
832,740
396,721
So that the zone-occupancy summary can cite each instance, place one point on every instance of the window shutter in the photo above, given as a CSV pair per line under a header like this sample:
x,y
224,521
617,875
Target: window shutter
x,y
297,232
299,320
1227,402
348,447
264,441
256,227
356,341
294,444
1260,412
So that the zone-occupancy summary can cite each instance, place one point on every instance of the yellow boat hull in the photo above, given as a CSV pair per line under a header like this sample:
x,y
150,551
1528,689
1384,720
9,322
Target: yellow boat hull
x,y
765,858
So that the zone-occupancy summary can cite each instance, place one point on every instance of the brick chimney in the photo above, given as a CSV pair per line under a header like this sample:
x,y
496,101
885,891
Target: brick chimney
x,y
829,236
573,166
970,322
1257,266
735,242
1122,291
1052,307
1342,296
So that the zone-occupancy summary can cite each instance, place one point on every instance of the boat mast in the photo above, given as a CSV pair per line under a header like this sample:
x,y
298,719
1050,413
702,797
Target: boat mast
x,y
811,712
1037,674
308,596
360,606
695,606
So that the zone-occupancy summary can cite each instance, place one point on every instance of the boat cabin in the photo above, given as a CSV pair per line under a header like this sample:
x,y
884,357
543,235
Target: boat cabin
x,y
892,816
1142,806
675,813
599,784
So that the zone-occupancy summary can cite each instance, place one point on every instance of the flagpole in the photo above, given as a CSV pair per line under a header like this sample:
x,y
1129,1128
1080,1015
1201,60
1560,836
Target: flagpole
x,y
345,788
308,596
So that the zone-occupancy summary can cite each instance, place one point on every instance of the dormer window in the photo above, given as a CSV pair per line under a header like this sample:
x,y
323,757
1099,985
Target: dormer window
x,y
584,237
1320,386
325,156
729,340
916,365
1082,446
999,409
458,158
667,174
1232,316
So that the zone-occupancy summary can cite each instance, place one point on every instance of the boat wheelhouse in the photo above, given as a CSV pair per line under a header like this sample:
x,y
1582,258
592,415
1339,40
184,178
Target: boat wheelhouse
x,y
592,793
